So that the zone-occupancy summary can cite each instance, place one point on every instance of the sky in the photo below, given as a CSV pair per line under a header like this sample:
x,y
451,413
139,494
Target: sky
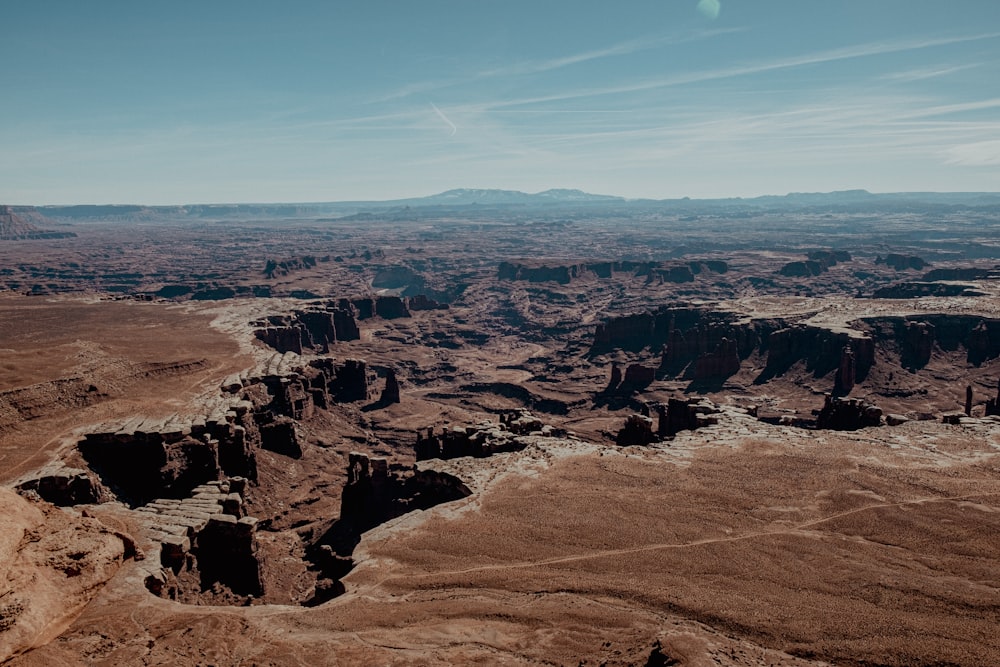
x,y
307,101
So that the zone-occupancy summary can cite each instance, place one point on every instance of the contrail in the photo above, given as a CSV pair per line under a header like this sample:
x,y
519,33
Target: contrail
x,y
454,128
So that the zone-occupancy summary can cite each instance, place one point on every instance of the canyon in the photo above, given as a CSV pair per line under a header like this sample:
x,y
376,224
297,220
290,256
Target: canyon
x,y
593,432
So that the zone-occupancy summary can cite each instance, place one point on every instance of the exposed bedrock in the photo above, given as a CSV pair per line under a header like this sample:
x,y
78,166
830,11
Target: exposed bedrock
x,y
391,307
993,404
917,336
962,273
916,290
64,486
376,492
685,415
390,393
298,390
817,262
820,348
848,414
312,330
638,430
902,262
205,540
273,267
638,377
481,440
281,436
145,459
676,415
707,346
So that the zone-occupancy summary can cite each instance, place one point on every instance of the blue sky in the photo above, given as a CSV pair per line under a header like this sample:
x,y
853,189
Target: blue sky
x,y
248,101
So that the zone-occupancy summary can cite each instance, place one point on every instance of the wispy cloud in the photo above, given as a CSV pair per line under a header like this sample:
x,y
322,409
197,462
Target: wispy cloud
x,y
817,58
546,65
919,74
621,49
975,154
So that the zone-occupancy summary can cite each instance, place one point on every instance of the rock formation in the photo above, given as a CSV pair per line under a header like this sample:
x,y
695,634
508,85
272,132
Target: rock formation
x,y
719,364
901,262
482,439
993,404
390,394
143,459
638,430
848,414
391,307
314,330
685,415
273,268
205,539
376,491
615,379
52,565
64,486
638,377
846,372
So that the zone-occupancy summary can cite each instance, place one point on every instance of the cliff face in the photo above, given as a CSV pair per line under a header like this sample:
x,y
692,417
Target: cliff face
x,y
709,346
917,336
16,225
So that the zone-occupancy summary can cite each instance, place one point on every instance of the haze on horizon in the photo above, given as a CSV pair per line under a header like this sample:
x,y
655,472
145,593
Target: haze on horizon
x,y
192,102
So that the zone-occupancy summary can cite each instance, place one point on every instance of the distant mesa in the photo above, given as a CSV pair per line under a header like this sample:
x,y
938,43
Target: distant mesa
x,y
901,262
817,262
19,224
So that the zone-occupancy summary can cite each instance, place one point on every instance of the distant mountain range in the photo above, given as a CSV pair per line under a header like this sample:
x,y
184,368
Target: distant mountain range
x,y
480,202
466,197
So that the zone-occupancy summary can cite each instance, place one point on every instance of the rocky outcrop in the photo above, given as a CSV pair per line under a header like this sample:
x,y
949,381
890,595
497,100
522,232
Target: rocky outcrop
x,y
917,336
685,415
64,486
616,378
144,459
820,349
481,440
917,290
274,268
205,539
424,302
390,393
719,364
846,372
376,491
52,564
902,262
802,269
687,332
848,414
638,430
962,273
313,330
993,404
294,388
391,307
917,344
281,436
674,272
539,274
638,377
